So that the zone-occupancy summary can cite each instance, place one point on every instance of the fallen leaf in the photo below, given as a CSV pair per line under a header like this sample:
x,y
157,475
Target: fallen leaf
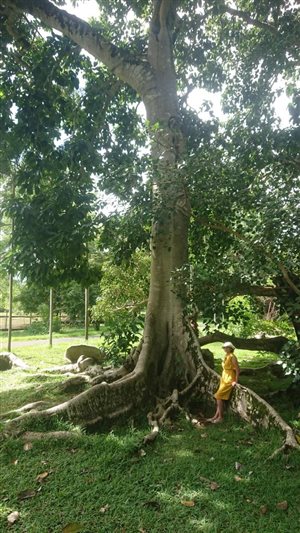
x,y
214,485
27,446
142,530
26,494
263,509
282,505
142,453
72,528
15,461
203,435
188,503
238,478
104,508
42,476
238,466
13,517
211,458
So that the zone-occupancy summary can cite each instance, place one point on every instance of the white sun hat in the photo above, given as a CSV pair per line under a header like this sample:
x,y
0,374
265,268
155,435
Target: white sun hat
x,y
228,345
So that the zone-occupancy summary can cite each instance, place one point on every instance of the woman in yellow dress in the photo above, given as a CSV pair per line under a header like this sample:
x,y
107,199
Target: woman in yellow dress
x,y
229,379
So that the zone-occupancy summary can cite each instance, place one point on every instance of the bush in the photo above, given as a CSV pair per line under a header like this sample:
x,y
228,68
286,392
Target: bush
x,y
42,327
290,359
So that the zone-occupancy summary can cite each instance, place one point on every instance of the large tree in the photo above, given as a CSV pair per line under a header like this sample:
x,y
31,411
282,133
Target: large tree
x,y
159,50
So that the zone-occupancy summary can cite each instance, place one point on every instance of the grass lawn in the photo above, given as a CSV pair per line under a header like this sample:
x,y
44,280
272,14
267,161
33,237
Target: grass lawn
x,y
187,482
24,335
211,479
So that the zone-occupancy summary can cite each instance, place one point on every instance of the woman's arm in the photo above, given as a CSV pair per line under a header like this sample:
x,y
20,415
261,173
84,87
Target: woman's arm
x,y
236,367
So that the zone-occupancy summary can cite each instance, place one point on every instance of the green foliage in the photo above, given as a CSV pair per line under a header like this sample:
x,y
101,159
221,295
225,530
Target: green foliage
x,y
290,360
65,118
122,301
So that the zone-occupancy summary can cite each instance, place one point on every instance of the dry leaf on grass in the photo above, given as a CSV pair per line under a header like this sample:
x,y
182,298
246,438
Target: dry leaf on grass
x,y
27,446
26,494
142,452
13,517
263,509
238,466
104,508
188,503
212,484
238,478
72,528
42,476
282,505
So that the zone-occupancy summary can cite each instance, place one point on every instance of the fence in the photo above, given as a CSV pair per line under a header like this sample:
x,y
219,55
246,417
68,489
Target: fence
x,y
18,321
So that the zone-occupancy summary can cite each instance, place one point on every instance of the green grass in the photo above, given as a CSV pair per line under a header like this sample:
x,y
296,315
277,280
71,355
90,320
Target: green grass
x,y
20,387
144,491
24,335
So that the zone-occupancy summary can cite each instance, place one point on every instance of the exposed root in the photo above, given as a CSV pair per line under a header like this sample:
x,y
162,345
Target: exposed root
x,y
35,406
244,402
289,444
9,360
101,402
29,436
64,369
162,413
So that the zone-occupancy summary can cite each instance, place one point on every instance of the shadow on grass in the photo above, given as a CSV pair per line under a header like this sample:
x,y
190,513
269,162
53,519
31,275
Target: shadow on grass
x,y
15,398
187,482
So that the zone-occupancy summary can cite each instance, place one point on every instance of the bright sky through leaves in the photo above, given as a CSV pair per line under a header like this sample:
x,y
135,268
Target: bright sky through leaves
x,y
88,9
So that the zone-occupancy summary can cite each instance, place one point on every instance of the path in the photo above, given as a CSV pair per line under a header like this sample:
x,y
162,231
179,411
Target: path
x,y
55,340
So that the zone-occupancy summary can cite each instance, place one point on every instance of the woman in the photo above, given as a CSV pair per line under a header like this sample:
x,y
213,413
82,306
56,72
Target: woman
x,y
229,379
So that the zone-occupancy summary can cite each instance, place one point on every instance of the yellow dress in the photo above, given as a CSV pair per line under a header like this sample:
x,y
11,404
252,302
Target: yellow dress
x,y
228,376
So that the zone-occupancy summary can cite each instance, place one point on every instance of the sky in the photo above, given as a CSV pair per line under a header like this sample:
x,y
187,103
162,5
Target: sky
x,y
89,8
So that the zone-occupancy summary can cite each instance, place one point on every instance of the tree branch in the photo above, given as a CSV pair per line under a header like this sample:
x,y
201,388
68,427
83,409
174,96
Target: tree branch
x,y
244,15
125,66
268,344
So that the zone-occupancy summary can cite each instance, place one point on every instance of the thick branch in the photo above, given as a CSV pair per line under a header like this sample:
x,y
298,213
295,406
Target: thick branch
x,y
247,18
125,66
257,290
272,344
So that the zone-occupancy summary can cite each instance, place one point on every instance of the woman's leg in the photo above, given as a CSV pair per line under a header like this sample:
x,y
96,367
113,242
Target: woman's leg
x,y
216,415
220,411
